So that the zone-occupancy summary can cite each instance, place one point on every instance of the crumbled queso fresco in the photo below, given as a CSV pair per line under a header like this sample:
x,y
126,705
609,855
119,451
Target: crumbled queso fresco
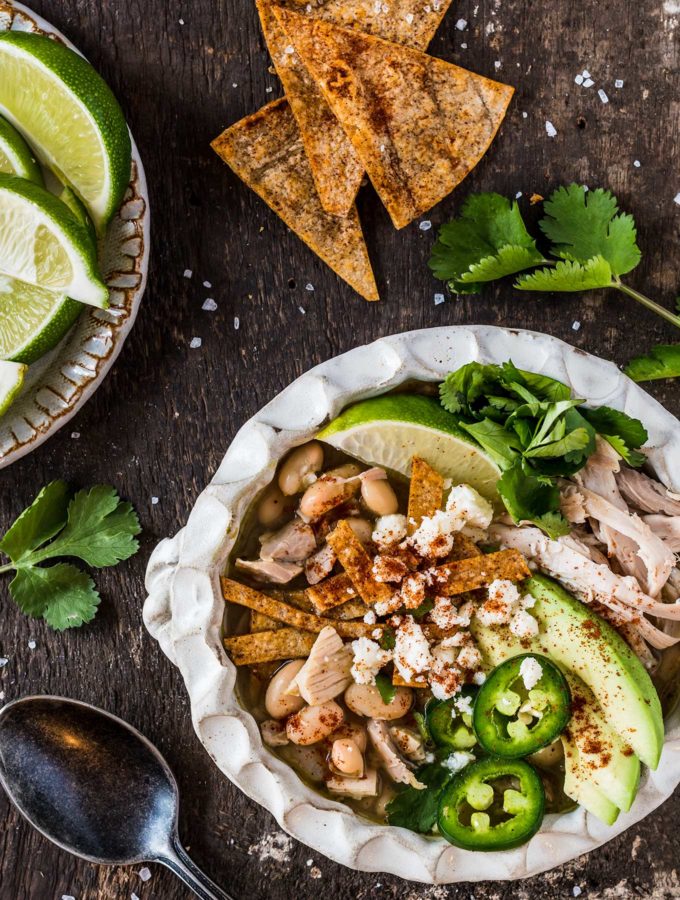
x,y
530,672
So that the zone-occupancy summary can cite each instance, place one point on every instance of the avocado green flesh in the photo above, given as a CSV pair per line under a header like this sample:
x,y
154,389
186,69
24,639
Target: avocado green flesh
x,y
584,792
583,643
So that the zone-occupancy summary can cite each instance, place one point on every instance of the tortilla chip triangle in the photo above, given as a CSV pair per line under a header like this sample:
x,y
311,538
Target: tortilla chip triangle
x,y
418,124
265,150
335,165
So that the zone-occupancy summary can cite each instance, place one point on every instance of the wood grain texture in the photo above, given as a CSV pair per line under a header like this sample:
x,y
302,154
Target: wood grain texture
x,y
163,419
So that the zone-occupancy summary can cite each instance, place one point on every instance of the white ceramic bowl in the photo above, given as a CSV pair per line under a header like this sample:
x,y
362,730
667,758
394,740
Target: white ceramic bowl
x,y
62,381
184,610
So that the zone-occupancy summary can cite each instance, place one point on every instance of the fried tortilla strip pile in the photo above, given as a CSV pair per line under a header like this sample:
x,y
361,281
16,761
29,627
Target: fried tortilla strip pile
x,y
357,564
336,168
332,592
268,646
265,150
479,571
418,124
426,493
234,592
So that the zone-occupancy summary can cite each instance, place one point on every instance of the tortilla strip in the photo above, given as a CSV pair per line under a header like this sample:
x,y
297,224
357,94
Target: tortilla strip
x,y
268,646
336,168
464,547
234,592
352,609
331,592
260,622
420,681
418,124
265,150
357,564
426,493
478,571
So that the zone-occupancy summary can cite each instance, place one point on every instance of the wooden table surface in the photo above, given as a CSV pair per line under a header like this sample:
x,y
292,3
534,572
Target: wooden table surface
x,y
165,416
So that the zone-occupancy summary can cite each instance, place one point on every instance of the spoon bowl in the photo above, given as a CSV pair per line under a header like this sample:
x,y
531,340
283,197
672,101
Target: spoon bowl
x,y
94,786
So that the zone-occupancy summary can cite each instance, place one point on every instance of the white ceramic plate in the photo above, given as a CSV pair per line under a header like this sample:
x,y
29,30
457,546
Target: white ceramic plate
x,y
184,609
61,382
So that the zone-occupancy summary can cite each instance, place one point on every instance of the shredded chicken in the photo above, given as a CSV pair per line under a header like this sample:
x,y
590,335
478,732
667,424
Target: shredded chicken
x,y
646,494
326,673
320,564
667,528
270,570
354,787
295,542
394,765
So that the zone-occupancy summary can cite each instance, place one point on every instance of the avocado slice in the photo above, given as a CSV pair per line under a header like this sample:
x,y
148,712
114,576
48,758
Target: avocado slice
x,y
583,643
578,786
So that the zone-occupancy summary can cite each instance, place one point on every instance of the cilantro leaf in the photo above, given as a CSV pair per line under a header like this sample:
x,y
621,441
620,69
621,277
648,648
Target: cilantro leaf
x,y
585,224
500,444
460,390
44,518
95,527
623,432
385,687
661,362
574,440
569,276
488,241
417,809
100,529
529,499
67,596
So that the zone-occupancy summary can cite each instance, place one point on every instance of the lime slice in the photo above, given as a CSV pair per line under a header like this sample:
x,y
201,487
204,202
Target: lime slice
x,y
32,320
11,380
15,155
42,244
388,431
70,118
69,198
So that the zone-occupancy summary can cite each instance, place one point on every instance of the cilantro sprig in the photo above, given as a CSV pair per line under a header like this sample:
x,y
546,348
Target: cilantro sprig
x,y
590,245
661,362
93,525
535,432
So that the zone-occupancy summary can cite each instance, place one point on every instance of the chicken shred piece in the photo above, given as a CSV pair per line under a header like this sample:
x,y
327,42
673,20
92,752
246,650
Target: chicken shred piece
x,y
326,673
320,564
667,528
646,494
394,765
270,570
354,787
295,542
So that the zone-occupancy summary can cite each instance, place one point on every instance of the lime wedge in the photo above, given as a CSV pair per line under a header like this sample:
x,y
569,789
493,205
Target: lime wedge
x,y
15,155
11,379
42,244
32,320
70,118
388,431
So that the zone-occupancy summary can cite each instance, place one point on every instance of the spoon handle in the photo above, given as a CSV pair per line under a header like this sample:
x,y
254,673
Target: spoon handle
x,y
178,861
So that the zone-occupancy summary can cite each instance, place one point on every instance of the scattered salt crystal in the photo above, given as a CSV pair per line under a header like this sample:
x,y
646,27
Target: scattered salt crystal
x,y
409,18
576,891
67,897
461,24
579,79
268,90
497,64
154,501
576,325
464,46
188,273
32,645
3,661
438,298
75,435
302,310
234,84
525,115
518,195
237,323
309,286
637,163
209,305
145,873
195,343
310,862
550,129
134,896
618,83
586,73
181,21
603,97
425,225
588,82
206,284
676,199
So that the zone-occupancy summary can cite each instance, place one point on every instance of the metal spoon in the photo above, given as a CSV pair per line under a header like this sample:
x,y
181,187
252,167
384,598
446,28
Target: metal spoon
x,y
94,786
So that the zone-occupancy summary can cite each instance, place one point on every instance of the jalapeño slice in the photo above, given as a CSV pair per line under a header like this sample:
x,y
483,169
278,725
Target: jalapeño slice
x,y
493,804
448,727
511,721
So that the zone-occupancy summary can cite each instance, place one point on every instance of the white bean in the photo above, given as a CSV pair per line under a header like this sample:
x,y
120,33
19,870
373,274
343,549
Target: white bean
x,y
272,506
303,461
353,732
327,492
362,528
365,700
314,723
347,758
277,702
379,496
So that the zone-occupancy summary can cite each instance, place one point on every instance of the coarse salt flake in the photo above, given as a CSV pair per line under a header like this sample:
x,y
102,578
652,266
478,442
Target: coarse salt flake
x,y
676,199
550,129
637,163
206,284
237,323
75,435
575,325
209,305
32,645
309,286
425,225
461,24
154,501
188,273
618,83
195,343
438,299
530,672
579,79
145,873
602,95
3,661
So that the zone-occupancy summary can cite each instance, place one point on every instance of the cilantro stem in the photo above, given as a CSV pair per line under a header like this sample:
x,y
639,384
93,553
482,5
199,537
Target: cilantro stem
x,y
650,304
6,568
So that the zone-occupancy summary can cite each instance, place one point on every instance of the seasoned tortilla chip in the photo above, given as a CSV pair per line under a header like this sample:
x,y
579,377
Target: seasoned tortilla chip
x,y
332,592
479,571
426,493
260,622
464,547
267,646
357,564
336,168
265,150
418,124
234,592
